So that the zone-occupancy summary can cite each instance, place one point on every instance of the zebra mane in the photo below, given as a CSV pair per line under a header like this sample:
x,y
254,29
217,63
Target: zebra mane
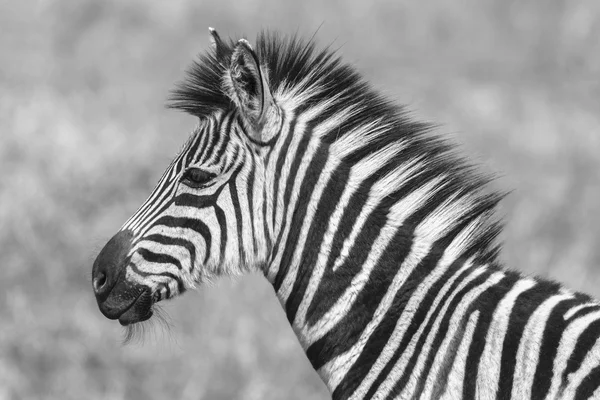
x,y
290,61
319,76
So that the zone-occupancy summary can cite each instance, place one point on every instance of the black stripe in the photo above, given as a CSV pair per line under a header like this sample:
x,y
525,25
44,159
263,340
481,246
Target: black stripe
x,y
374,347
436,254
441,333
171,241
198,200
222,221
216,133
348,330
585,343
293,236
265,223
313,172
195,145
320,222
250,197
384,330
324,299
525,305
221,145
486,312
448,359
194,224
470,252
159,258
206,136
589,385
584,311
180,286
326,296
148,210
237,207
283,153
553,330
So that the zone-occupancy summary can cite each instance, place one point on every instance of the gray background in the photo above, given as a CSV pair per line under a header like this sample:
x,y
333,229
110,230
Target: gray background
x,y
84,137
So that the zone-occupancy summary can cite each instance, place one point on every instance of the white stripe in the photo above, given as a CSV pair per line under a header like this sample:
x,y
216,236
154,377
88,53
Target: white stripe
x,y
214,156
187,234
360,137
405,318
378,192
345,302
280,221
240,185
152,267
400,366
489,366
364,169
529,347
272,174
454,329
456,377
311,209
159,194
565,349
322,128
336,369
575,379
142,221
575,309
595,395
229,266
151,281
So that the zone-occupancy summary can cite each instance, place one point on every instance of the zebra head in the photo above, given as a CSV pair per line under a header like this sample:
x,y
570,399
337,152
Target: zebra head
x,y
205,217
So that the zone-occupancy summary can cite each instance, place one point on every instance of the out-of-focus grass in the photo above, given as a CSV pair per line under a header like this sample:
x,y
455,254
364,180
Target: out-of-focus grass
x,y
84,136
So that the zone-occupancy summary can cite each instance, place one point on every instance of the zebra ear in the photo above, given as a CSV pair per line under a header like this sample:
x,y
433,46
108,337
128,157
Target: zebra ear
x,y
248,87
216,43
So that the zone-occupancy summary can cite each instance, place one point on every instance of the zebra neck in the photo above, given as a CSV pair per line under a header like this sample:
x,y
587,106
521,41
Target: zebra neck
x,y
359,231
338,310
345,299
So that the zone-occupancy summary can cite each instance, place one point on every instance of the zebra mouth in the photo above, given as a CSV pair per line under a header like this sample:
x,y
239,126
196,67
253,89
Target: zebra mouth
x,y
139,310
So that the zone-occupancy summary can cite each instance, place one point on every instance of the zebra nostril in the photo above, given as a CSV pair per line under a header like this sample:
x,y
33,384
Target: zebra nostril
x,y
99,282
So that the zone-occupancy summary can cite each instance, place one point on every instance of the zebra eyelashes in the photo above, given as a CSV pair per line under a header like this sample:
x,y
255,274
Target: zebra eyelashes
x,y
197,178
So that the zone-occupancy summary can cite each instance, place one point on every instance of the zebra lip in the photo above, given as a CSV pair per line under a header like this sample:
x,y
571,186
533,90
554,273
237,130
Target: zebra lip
x,y
139,310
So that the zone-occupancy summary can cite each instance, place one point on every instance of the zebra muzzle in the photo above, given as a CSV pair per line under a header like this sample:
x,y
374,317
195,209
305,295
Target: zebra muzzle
x,y
129,303
118,298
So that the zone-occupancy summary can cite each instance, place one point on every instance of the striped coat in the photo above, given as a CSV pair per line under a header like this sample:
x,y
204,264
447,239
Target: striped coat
x,y
380,241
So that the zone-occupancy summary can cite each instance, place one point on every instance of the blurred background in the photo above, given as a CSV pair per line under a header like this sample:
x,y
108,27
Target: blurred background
x,y
84,136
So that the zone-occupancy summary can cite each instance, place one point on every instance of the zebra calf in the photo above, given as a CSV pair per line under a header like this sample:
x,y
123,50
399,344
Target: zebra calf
x,y
379,241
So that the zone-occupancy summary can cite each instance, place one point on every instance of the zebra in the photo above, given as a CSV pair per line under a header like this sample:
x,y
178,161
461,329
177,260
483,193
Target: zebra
x,y
381,242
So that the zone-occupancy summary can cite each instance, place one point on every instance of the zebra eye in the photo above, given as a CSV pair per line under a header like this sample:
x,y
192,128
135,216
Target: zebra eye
x,y
196,177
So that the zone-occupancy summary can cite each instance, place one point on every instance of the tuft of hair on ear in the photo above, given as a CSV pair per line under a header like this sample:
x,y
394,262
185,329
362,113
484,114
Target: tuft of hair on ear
x,y
138,332
201,93
220,48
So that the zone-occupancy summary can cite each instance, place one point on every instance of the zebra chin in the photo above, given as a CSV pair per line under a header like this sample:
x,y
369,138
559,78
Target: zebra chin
x,y
138,311
128,304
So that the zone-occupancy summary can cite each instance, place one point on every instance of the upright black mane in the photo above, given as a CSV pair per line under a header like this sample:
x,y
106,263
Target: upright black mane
x,y
294,64
289,61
